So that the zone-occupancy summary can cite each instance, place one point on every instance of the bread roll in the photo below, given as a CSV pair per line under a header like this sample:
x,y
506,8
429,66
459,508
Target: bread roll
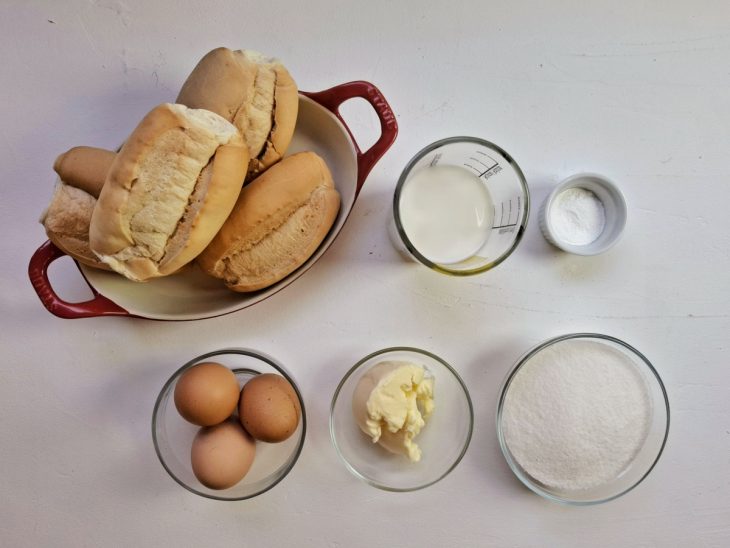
x,y
81,172
278,222
84,168
168,191
255,93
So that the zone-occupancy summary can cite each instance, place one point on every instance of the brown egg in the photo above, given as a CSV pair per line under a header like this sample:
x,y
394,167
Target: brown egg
x,y
269,408
222,454
206,394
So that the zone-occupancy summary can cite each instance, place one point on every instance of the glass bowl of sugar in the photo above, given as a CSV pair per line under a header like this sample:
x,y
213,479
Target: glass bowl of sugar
x,y
582,418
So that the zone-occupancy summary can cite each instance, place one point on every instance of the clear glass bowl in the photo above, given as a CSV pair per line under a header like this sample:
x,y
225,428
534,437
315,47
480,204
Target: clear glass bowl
x,y
648,453
443,440
173,436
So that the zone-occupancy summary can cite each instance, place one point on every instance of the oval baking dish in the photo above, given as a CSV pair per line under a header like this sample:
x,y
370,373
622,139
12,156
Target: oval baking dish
x,y
190,294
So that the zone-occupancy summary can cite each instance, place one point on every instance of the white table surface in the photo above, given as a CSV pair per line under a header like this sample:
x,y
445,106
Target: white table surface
x,y
638,91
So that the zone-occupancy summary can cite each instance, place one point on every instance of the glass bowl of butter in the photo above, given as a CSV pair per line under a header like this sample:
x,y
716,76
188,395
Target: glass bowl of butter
x,y
401,419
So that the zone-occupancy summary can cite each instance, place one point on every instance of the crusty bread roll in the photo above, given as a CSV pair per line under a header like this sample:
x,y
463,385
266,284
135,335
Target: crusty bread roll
x,y
84,168
81,172
254,92
168,191
278,222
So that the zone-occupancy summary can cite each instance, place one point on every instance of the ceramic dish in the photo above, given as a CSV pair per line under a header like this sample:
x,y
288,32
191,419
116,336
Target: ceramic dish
x,y
614,208
647,453
173,436
190,294
443,440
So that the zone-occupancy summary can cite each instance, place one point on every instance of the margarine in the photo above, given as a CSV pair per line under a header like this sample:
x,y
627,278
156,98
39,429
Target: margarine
x,y
391,403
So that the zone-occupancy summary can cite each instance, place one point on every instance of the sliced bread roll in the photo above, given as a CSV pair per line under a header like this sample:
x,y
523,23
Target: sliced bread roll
x,y
278,222
81,172
168,191
255,93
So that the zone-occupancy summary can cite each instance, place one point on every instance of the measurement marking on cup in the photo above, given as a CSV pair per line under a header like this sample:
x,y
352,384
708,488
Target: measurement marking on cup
x,y
487,173
477,160
508,224
491,170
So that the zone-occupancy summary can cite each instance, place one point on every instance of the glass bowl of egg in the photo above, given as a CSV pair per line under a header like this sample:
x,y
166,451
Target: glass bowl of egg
x,y
582,418
229,425
401,419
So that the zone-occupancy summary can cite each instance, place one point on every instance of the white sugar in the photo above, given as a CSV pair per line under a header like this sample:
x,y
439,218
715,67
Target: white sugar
x,y
576,414
577,216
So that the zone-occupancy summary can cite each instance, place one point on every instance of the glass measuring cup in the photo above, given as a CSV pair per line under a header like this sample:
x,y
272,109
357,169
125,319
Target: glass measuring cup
x,y
460,206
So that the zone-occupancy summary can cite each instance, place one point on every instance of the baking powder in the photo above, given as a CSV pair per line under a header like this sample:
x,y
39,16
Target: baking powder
x,y
577,216
576,414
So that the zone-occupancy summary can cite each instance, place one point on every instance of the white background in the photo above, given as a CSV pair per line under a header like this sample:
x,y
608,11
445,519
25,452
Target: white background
x,y
638,91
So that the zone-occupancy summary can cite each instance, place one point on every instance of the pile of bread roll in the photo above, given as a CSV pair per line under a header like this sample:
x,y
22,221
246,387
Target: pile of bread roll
x,y
205,180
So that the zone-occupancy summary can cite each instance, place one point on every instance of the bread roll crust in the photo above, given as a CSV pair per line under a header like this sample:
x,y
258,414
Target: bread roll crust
x,y
81,172
84,168
67,223
278,222
286,101
257,94
150,191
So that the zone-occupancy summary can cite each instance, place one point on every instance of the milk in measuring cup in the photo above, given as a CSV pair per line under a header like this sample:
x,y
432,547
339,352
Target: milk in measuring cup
x,y
446,212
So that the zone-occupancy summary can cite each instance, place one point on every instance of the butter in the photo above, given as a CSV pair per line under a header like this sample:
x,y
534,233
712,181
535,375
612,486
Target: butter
x,y
391,403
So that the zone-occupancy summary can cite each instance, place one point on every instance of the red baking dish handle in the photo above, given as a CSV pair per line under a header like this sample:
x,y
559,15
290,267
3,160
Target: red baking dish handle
x,y
38,273
332,98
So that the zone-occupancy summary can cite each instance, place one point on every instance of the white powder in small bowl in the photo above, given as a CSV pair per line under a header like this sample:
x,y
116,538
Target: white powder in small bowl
x,y
577,216
576,414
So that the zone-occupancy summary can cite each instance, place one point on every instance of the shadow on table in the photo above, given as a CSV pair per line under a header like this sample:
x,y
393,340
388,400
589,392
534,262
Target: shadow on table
x,y
484,375
123,407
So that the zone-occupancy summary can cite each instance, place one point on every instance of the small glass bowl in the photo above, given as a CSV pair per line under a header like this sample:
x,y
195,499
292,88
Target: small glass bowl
x,y
173,436
645,458
443,440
